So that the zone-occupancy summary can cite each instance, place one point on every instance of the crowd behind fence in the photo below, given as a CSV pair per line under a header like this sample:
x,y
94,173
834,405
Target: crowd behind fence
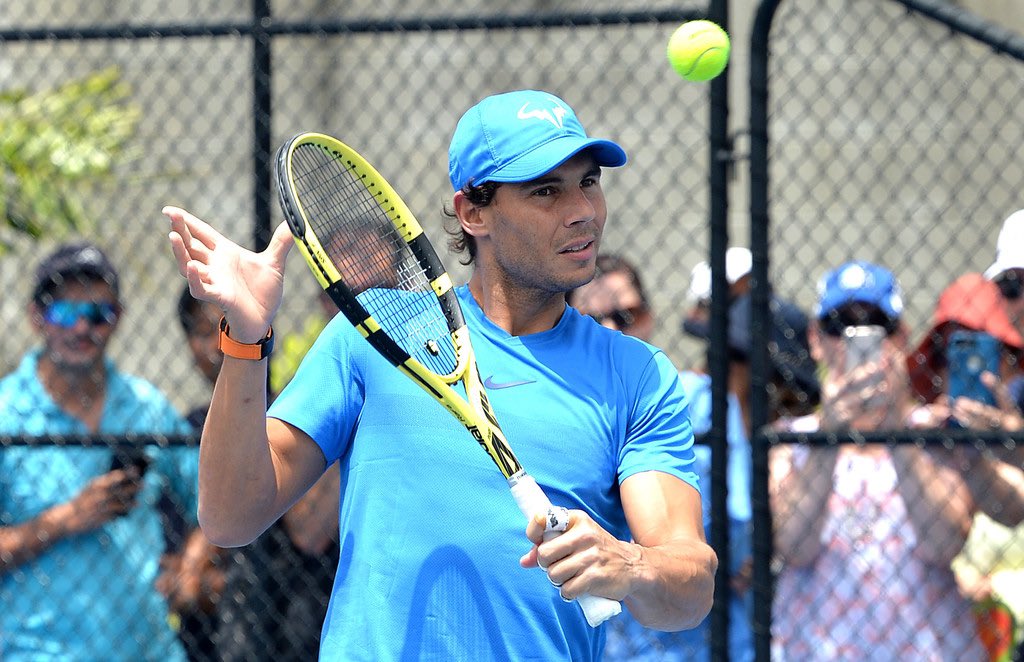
x,y
880,131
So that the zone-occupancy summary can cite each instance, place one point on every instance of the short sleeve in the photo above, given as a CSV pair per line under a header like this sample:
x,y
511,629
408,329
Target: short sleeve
x,y
325,397
660,436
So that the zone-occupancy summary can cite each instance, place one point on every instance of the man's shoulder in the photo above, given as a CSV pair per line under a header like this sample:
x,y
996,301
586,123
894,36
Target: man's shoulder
x,y
21,385
136,387
142,402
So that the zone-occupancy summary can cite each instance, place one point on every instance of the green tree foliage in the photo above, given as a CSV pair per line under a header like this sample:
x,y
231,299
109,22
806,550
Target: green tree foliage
x,y
53,144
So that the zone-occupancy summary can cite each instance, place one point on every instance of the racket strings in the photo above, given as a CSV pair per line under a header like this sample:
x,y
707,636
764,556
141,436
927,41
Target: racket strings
x,y
348,211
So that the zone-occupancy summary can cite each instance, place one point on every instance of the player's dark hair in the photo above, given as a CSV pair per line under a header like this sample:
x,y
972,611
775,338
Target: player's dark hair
x,y
458,240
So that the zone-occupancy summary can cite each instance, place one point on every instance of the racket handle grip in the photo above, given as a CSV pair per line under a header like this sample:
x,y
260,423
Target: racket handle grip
x,y
532,500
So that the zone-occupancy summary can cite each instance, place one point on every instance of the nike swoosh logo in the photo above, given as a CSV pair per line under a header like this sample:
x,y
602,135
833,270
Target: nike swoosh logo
x,y
489,383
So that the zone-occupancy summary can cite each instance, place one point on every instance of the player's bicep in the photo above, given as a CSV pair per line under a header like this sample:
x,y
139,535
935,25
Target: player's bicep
x,y
660,508
298,461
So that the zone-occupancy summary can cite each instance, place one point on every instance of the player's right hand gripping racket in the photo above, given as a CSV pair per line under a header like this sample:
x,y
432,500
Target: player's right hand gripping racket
x,y
371,256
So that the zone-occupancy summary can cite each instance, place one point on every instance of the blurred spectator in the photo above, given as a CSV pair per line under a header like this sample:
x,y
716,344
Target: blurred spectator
x,y
293,346
200,322
270,599
80,542
738,262
867,576
619,287
1007,272
194,577
992,561
616,298
793,391
971,303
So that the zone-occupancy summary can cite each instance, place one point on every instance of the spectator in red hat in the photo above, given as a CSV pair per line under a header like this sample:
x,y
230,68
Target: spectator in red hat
x,y
970,303
990,565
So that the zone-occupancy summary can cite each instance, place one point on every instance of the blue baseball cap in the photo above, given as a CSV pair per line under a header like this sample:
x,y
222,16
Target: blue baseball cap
x,y
519,136
859,282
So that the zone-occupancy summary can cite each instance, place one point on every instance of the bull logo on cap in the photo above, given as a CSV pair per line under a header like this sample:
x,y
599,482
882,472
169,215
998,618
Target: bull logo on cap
x,y
554,115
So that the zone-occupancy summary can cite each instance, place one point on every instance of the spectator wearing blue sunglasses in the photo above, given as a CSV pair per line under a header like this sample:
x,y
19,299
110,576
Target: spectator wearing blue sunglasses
x,y
80,532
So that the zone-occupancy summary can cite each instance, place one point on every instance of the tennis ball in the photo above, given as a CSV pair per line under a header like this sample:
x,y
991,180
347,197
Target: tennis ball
x,y
698,50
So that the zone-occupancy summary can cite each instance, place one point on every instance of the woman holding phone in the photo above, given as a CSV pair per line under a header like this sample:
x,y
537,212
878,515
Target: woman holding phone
x,y
868,575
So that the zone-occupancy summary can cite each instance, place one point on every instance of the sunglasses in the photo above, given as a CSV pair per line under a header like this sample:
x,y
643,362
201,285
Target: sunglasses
x,y
621,318
1010,285
836,323
66,314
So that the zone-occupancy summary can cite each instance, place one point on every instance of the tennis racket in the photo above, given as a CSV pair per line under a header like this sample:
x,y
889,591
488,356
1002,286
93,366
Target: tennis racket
x,y
371,256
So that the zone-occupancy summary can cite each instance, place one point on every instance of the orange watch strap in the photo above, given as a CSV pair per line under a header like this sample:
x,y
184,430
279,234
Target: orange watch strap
x,y
253,352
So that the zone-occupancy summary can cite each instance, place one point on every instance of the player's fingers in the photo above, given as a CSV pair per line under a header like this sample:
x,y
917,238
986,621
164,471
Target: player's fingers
x,y
185,246
200,285
180,254
280,245
198,229
529,559
535,528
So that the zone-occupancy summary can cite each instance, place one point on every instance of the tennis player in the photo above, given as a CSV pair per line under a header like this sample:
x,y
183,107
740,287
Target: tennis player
x,y
434,563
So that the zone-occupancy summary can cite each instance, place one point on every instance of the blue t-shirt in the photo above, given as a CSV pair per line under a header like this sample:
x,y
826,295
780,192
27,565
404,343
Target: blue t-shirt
x,y
430,536
630,641
92,596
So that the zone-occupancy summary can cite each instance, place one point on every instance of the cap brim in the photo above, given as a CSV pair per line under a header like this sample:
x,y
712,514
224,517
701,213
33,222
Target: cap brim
x,y
999,266
554,153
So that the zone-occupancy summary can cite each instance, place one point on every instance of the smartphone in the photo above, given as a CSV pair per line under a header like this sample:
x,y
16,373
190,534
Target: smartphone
x,y
130,458
863,345
968,354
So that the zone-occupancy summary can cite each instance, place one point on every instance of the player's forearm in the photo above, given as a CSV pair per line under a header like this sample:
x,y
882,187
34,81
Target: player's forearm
x,y
673,584
237,476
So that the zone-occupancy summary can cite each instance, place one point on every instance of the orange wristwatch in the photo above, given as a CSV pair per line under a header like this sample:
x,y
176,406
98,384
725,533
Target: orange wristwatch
x,y
253,352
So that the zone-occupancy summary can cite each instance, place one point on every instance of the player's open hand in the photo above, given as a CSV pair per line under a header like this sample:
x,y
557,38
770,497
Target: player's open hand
x,y
583,559
247,286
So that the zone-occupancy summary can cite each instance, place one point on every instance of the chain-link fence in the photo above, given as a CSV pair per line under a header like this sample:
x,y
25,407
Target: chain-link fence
x,y
204,95
880,130
883,132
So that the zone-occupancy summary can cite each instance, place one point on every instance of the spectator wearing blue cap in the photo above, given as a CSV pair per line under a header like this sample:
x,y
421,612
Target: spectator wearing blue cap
x,y
434,563
866,532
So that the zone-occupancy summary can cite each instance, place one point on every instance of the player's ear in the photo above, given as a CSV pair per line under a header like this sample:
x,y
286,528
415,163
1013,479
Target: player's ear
x,y
471,217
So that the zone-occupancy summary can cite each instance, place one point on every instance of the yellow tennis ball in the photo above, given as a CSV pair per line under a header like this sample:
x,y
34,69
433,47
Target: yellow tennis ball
x,y
698,50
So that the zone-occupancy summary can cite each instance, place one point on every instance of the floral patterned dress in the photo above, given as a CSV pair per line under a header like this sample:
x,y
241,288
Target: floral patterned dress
x,y
868,596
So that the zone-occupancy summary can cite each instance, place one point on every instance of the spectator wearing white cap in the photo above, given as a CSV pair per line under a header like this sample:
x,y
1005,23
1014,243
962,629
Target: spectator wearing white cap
x,y
1008,269
738,262
1007,272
